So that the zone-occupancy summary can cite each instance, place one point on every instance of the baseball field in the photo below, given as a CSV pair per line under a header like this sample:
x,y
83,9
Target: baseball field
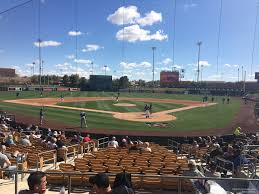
x,y
172,115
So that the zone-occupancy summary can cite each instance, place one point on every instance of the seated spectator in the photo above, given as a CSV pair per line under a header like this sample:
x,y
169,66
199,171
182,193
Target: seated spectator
x,y
195,147
25,141
193,169
146,147
75,140
123,143
37,183
134,147
9,141
3,151
63,136
49,132
6,164
55,134
216,152
212,171
239,160
18,156
60,143
52,143
100,183
113,143
229,154
122,184
87,138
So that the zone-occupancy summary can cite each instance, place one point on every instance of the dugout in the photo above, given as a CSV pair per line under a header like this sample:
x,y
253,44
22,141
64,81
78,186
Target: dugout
x,y
100,82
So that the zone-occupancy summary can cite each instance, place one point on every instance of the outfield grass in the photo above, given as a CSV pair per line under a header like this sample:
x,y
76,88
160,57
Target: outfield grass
x,y
202,118
108,105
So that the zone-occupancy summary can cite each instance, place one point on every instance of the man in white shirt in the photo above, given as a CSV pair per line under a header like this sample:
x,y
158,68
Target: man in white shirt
x,y
113,143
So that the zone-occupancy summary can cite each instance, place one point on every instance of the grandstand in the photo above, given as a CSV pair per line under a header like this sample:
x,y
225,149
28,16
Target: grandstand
x,y
70,160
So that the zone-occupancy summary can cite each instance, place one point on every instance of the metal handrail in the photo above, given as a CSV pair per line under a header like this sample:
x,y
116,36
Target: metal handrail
x,y
69,174
173,145
103,141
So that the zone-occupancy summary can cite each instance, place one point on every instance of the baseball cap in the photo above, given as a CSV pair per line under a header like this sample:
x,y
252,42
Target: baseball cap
x,y
101,180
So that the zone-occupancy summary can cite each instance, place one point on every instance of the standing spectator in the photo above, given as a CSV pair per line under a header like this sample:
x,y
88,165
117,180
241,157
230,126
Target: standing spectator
x,y
228,100
113,143
37,183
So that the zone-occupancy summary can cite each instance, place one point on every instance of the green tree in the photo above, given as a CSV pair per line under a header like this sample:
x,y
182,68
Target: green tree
x,y
124,82
74,80
65,80
83,84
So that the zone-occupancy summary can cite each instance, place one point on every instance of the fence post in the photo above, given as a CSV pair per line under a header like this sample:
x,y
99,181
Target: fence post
x,y
16,182
69,183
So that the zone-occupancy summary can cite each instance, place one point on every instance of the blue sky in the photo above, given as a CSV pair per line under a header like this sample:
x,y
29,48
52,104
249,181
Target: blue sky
x,y
147,23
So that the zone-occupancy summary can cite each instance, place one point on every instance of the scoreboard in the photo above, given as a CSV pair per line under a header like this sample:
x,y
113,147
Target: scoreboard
x,y
169,77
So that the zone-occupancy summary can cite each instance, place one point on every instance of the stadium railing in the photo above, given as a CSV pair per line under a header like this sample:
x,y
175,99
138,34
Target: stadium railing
x,y
103,142
199,184
173,145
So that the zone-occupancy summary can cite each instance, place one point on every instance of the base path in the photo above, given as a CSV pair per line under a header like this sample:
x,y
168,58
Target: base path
x,y
161,116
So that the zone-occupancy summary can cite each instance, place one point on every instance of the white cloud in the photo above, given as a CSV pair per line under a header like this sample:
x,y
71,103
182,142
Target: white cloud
x,y
70,56
177,66
150,19
64,66
227,65
188,6
47,43
204,63
74,33
107,69
236,66
29,65
82,61
143,64
92,47
124,15
135,33
167,61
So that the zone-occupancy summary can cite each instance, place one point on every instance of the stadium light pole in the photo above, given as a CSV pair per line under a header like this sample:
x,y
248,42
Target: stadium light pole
x,y
199,50
105,66
153,70
237,74
92,63
40,62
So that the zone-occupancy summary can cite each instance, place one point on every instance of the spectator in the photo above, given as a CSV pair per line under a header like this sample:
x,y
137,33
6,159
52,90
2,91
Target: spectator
x,y
113,143
238,132
6,164
100,183
124,143
60,143
146,147
87,138
122,184
212,172
25,141
55,134
9,140
63,136
75,140
216,152
134,147
229,154
37,183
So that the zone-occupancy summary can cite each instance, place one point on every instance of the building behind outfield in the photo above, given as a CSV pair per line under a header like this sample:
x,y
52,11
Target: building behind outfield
x,y
100,82
7,72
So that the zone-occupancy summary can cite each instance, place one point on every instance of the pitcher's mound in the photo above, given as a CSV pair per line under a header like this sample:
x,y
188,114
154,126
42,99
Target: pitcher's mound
x,y
140,117
124,104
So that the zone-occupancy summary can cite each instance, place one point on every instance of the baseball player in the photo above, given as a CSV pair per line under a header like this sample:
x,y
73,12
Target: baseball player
x,y
41,115
83,120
